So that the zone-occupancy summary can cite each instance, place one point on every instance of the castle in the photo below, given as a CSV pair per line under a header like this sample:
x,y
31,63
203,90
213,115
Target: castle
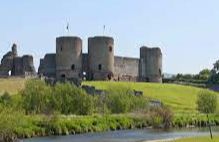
x,y
100,63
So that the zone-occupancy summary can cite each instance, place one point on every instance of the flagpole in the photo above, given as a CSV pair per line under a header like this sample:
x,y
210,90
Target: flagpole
x,y
104,27
67,28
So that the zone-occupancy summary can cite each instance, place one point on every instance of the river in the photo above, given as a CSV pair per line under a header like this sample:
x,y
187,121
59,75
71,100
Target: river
x,y
128,135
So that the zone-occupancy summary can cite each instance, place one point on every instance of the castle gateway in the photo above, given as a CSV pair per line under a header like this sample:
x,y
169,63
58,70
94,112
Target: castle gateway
x,y
100,63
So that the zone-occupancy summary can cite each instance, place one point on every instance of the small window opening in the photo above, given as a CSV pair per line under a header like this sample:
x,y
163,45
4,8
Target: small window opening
x,y
63,76
61,48
110,48
100,67
73,67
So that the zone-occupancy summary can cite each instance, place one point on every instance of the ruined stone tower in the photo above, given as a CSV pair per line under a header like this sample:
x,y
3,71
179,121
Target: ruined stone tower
x,y
100,58
150,64
68,57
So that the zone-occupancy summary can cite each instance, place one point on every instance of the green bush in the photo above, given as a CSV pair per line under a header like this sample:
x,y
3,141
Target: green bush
x,y
122,100
68,99
6,99
161,117
207,102
36,97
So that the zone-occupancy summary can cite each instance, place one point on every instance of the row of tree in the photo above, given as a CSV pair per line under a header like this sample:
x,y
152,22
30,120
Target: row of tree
x,y
205,76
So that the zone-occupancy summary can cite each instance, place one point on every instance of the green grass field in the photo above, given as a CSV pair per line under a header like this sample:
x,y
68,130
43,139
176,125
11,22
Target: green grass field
x,y
11,85
179,98
198,139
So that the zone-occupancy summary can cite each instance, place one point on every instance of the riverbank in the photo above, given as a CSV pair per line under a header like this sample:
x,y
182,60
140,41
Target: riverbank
x,y
197,139
39,125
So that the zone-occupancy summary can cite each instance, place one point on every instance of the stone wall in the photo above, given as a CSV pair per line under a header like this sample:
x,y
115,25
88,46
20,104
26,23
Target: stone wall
x,y
126,69
48,66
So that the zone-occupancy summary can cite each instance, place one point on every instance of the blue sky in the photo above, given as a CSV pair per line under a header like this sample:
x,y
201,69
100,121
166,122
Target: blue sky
x,y
187,31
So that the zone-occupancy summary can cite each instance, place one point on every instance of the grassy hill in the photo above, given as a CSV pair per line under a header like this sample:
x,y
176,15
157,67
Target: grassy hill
x,y
179,98
11,85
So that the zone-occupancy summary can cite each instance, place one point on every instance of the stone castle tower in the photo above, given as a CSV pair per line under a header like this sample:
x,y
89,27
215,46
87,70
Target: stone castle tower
x,y
101,58
150,64
68,57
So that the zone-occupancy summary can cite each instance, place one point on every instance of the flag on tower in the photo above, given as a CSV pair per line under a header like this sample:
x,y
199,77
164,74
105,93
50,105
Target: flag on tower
x,y
104,27
67,27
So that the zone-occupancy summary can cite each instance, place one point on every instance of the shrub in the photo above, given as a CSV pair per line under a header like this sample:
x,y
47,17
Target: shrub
x,y
8,123
161,117
207,102
68,99
5,99
122,100
36,97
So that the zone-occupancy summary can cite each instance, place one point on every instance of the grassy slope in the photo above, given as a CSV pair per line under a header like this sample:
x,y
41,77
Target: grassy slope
x,y
199,139
11,85
179,98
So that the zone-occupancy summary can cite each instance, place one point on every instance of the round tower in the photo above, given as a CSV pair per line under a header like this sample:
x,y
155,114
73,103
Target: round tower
x,y
68,57
101,58
150,66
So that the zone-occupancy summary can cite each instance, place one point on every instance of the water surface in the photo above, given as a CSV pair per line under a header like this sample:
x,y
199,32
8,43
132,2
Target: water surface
x,y
127,135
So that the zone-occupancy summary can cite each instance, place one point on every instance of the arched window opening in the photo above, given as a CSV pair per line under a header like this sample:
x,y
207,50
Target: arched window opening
x,y
73,67
100,67
110,48
61,48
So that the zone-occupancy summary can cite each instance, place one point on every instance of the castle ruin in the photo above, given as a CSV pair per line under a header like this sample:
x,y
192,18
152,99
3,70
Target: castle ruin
x,y
14,65
100,63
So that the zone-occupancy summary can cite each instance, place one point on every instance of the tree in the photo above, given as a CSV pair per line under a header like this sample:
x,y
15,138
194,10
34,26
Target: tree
x,y
204,74
216,66
207,103
214,76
